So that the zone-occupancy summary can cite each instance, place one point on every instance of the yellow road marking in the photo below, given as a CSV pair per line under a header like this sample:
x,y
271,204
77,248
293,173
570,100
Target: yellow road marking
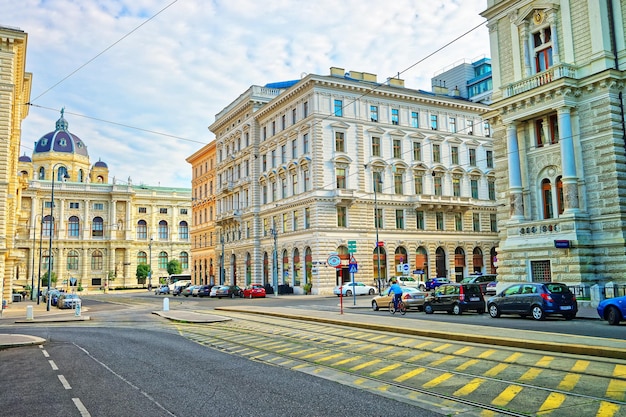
x,y
442,360
545,362
469,387
463,350
486,354
409,375
514,357
365,365
311,355
423,344
497,369
616,389
348,360
553,402
418,357
619,371
442,347
507,395
384,349
438,380
466,364
327,358
531,374
386,369
607,409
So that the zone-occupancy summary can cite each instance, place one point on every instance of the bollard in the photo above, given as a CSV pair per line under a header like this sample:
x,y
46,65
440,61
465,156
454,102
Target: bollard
x,y
77,309
29,313
166,304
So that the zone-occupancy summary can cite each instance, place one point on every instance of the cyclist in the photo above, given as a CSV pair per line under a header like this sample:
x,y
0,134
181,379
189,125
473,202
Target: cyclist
x,y
396,289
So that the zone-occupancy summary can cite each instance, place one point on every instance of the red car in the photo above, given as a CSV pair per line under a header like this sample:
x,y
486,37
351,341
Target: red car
x,y
254,291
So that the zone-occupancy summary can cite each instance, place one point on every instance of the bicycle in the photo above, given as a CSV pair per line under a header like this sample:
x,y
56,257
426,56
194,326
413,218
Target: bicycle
x,y
401,308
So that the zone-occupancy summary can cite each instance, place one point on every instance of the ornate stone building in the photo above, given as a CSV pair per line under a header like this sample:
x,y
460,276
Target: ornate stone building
x,y
98,229
303,168
559,138
15,85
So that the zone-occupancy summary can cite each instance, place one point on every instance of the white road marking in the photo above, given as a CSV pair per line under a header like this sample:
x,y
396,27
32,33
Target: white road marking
x,y
66,384
83,410
53,365
45,353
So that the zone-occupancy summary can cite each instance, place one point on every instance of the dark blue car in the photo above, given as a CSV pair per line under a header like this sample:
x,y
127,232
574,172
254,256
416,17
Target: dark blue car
x,y
433,283
613,310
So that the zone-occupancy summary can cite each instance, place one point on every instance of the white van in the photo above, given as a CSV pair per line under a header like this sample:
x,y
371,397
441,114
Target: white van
x,y
410,282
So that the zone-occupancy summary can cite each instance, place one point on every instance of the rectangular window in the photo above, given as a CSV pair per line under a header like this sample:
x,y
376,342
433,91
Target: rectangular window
x,y
143,210
378,218
98,206
540,271
395,116
419,218
264,162
294,183
452,124
264,134
307,218
294,216
74,228
377,179
283,122
183,211
474,187
273,127
436,153
542,42
456,187
305,143
470,127
454,153
74,205
417,151
397,148
489,157
283,154
493,222
307,180
492,190
305,109
294,149
415,119
163,210
433,122
375,146
293,116
458,222
338,108
487,129
283,184
472,157
273,158
342,216
399,219
419,184
439,220
284,221
340,144
438,186
397,183
476,222
374,113
341,177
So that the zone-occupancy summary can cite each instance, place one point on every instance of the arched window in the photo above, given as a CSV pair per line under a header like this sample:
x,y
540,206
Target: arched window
x,y
296,267
74,227
546,195
440,262
285,268
142,230
62,174
47,224
42,173
184,260
477,259
72,260
96,261
183,230
163,260
142,258
163,235
308,260
97,227
81,175
559,194
46,261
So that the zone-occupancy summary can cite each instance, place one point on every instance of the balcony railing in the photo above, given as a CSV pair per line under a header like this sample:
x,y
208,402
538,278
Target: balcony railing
x,y
540,79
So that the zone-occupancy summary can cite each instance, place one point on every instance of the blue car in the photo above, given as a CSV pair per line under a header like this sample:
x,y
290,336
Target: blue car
x,y
433,283
613,310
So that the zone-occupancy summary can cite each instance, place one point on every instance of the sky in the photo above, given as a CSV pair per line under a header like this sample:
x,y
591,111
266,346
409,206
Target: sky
x,y
142,80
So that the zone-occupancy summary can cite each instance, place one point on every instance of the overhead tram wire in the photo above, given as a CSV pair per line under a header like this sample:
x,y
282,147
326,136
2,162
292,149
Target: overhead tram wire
x,y
103,51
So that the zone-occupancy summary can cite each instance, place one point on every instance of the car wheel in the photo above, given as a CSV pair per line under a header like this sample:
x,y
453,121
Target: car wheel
x,y
348,293
232,295
456,310
613,316
374,306
422,288
371,291
494,311
538,313
428,309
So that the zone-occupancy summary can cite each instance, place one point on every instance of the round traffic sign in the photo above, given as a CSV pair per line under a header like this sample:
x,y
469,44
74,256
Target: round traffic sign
x,y
334,261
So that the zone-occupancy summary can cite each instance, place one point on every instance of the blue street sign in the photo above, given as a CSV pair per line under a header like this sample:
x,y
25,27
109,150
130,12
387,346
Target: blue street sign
x,y
353,268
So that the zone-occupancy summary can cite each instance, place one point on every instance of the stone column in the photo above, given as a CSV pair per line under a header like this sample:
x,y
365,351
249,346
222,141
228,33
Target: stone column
x,y
568,161
515,174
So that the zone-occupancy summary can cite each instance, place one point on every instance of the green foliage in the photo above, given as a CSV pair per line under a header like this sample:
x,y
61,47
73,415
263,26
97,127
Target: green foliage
x,y
174,267
143,270
307,287
44,279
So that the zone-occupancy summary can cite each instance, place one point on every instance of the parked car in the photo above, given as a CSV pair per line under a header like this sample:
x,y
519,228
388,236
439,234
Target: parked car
x,y
194,292
231,291
187,291
358,288
68,300
409,282
54,296
178,290
204,290
433,283
482,280
412,298
162,289
491,288
613,310
254,291
455,299
536,299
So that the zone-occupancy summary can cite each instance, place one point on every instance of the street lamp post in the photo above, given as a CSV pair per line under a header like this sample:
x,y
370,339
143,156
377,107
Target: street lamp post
x,y
376,224
51,235
222,260
274,234
40,248
150,265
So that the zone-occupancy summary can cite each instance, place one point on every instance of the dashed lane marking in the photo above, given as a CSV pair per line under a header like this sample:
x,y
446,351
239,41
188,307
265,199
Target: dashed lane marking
x,y
83,410
64,382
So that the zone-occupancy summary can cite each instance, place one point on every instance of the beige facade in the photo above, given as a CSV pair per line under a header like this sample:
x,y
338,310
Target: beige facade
x,y
297,163
559,139
205,264
102,228
15,85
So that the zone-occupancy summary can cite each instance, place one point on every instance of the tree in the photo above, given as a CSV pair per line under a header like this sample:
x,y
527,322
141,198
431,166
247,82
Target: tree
x,y
44,279
174,267
143,270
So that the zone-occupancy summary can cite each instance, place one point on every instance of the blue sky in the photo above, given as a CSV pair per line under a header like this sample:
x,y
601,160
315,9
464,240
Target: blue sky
x,y
141,80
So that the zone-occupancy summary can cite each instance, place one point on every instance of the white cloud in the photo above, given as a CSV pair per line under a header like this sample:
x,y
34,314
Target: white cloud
x,y
174,73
